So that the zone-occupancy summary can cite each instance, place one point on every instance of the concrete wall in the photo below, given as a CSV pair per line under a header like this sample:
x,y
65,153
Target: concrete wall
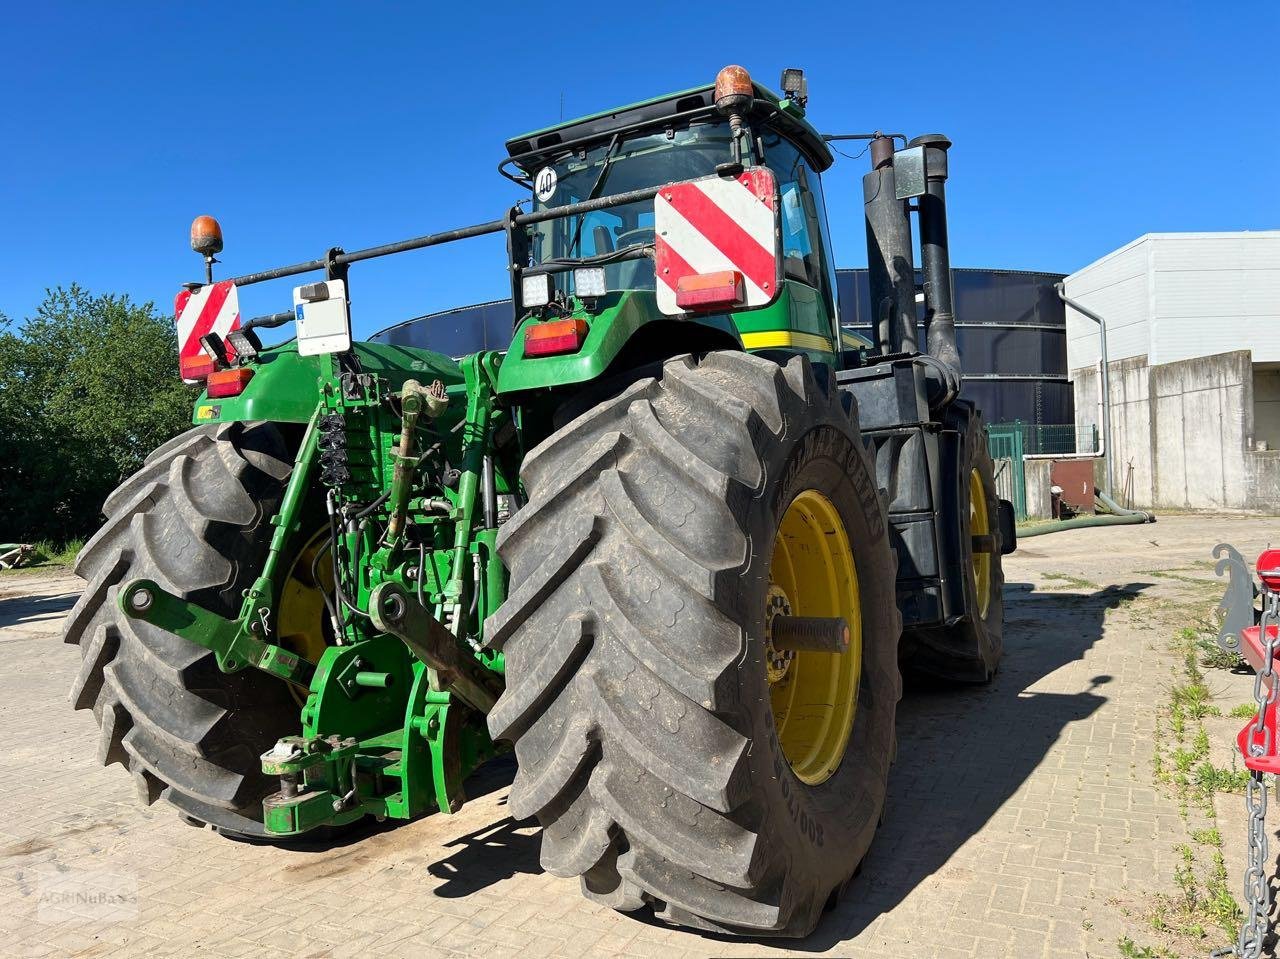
x,y
1266,407
1186,429
1039,500
1131,422
1201,423
1177,296
1264,481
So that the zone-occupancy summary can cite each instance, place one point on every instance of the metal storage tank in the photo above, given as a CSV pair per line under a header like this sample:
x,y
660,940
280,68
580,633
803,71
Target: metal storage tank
x,y
1011,330
1010,327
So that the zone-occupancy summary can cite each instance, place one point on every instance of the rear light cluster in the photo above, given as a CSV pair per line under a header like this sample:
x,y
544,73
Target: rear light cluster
x,y
197,367
211,363
224,383
702,291
555,337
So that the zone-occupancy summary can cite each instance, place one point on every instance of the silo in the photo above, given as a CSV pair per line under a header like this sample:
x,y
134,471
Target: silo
x,y
1011,330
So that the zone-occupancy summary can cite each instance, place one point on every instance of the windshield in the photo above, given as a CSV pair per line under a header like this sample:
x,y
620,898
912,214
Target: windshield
x,y
618,166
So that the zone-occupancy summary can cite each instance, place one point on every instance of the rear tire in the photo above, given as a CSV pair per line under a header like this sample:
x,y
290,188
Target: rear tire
x,y
634,637
195,519
970,649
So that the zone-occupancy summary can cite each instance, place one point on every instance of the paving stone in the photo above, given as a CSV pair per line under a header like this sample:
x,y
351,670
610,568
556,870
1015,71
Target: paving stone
x,y
1022,815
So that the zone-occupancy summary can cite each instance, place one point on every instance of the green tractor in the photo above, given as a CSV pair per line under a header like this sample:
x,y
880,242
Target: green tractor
x,y
674,544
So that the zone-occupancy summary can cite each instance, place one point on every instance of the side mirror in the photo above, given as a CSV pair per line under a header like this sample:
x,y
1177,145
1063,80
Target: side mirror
x,y
909,173
717,243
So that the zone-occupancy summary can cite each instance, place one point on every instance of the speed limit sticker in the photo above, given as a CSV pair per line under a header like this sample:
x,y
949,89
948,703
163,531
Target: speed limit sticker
x,y
544,184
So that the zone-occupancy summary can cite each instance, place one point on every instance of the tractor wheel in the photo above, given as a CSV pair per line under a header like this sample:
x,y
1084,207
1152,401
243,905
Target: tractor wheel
x,y
968,650
675,759
195,519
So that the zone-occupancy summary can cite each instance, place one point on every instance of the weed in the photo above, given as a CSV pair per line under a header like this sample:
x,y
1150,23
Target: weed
x,y
1193,697
1131,950
1220,904
1212,779
1184,875
1213,656
1070,582
1244,711
1208,837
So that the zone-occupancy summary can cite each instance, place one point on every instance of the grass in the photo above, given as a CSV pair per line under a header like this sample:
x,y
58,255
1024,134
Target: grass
x,y
1213,656
1213,779
1244,711
1208,837
1131,950
1202,898
1070,582
49,554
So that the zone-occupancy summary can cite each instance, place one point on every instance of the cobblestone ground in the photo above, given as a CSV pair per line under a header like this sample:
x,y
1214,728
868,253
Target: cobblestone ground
x,y
1023,819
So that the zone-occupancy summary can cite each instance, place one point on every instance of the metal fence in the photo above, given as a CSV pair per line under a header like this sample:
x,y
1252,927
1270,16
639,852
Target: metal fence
x,y
1010,442
1039,439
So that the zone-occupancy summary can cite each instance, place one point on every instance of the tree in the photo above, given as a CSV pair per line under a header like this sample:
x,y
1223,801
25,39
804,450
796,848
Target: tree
x,y
88,387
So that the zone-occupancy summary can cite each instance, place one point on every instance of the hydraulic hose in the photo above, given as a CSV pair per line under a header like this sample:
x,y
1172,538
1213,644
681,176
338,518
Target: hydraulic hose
x,y
1115,509
1117,516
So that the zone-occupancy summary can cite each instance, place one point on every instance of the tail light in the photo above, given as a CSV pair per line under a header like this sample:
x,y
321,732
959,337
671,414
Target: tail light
x,y
195,368
705,291
224,383
555,337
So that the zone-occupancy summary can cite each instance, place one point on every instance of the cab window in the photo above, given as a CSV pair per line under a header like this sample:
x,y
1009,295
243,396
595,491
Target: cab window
x,y
804,219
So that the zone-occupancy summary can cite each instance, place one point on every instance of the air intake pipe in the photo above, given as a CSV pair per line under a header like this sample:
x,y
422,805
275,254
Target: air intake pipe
x,y
935,262
890,271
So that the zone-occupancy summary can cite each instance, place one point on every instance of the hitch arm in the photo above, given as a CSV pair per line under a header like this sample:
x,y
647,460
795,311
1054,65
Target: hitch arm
x,y
231,642
396,612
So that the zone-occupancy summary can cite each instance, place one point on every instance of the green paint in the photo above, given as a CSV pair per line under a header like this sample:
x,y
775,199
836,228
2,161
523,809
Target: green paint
x,y
393,718
283,387
619,316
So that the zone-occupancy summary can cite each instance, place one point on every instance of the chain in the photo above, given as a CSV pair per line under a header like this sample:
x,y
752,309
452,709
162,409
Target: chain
x,y
1257,888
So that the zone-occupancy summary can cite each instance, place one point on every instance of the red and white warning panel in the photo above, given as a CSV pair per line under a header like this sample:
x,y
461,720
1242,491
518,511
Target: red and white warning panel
x,y
209,309
716,243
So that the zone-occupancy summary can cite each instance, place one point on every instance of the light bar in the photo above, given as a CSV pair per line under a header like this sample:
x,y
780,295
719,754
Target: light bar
x,y
535,289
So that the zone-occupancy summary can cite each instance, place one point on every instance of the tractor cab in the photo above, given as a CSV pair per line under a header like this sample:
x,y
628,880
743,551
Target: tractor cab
x,y
685,136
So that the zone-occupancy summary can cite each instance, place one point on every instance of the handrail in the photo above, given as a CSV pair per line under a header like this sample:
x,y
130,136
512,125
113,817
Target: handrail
x,y
449,236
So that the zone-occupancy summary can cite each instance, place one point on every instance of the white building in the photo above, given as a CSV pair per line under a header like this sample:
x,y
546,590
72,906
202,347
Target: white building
x,y
1193,338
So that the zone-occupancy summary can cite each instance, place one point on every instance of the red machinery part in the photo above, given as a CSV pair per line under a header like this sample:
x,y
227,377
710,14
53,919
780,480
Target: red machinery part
x,y
1269,569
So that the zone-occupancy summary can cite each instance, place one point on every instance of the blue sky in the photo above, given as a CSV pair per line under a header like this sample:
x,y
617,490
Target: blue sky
x,y
1077,127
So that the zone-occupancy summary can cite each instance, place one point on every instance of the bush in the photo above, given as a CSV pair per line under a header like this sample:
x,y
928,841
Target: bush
x,y
88,387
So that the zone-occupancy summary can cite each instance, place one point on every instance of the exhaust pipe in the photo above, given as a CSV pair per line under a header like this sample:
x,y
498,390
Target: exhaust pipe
x,y
890,269
935,262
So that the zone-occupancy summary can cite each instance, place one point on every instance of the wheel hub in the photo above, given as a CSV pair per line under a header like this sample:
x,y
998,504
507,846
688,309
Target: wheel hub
x,y
777,661
813,695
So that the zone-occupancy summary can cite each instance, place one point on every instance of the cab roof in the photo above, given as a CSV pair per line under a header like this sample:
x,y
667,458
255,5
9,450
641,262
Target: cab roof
x,y
530,151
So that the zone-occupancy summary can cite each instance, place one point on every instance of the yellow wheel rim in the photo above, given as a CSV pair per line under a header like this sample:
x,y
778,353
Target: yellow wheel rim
x,y
980,525
301,618
814,695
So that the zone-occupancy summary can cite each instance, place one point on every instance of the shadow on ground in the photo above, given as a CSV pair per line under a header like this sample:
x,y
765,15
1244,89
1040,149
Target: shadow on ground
x,y
962,752
495,852
16,610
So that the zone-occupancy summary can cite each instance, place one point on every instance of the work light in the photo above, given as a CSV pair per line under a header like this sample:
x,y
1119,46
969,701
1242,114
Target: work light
x,y
535,289
588,282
